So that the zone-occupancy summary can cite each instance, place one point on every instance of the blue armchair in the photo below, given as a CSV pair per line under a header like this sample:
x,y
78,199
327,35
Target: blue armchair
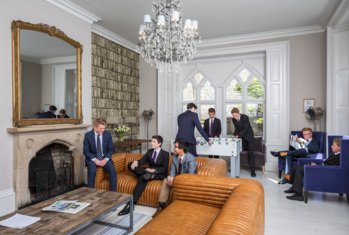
x,y
320,136
332,179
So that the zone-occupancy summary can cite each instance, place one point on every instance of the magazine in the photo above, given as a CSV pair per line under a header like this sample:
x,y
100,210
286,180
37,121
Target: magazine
x,y
71,207
300,144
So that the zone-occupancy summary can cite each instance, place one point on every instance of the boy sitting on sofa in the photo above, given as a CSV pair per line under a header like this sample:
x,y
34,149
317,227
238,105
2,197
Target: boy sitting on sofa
x,y
182,162
157,161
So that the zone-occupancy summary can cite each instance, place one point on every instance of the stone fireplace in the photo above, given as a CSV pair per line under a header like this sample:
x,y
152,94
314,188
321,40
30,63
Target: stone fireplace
x,y
29,140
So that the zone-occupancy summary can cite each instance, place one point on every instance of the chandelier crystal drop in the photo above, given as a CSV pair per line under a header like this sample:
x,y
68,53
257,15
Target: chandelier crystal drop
x,y
165,39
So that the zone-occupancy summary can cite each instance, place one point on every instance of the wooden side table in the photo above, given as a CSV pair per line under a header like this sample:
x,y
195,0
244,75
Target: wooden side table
x,y
129,145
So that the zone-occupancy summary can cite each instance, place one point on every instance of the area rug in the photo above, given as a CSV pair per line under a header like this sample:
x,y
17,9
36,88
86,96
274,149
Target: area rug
x,y
138,221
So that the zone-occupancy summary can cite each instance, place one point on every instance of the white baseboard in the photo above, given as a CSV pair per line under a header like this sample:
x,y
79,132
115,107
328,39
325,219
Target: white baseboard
x,y
7,201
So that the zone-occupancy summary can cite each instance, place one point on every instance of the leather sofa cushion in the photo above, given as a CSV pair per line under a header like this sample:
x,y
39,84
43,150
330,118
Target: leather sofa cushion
x,y
196,220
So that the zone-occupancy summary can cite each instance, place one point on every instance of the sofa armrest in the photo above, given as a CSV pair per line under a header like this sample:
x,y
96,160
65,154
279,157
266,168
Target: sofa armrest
x,y
213,167
119,162
241,201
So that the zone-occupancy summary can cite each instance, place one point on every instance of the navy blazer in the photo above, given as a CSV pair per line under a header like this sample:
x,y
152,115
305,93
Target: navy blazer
x,y
243,128
160,165
216,128
47,114
187,122
313,146
90,145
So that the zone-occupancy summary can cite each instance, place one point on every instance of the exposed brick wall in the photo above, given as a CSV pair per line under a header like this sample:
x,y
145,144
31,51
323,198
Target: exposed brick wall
x,y
115,82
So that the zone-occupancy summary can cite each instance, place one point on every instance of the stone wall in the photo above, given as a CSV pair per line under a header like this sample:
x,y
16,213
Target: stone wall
x,y
115,83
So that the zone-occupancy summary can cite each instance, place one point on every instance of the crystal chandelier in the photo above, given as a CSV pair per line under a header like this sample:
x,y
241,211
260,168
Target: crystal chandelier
x,y
165,39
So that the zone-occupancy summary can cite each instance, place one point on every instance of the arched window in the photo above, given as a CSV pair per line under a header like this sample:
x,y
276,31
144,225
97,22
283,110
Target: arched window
x,y
199,84
246,91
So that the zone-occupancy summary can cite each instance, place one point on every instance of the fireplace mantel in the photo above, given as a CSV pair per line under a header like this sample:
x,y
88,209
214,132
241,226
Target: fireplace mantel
x,y
27,141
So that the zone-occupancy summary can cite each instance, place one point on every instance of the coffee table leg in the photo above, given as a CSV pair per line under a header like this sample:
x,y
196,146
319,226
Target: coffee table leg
x,y
131,214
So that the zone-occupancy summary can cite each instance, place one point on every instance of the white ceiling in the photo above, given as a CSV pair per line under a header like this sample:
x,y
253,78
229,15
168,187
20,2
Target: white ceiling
x,y
218,18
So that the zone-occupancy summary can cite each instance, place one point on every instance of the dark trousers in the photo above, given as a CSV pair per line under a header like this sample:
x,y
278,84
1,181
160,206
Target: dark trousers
x,y
91,174
247,146
297,175
192,149
141,182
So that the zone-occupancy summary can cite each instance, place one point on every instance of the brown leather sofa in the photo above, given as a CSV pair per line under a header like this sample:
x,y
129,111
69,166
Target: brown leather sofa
x,y
211,205
259,154
126,180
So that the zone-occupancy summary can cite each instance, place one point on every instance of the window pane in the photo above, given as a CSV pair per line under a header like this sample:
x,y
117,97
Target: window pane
x,y
203,115
244,74
189,92
198,77
255,89
234,91
207,92
255,113
228,108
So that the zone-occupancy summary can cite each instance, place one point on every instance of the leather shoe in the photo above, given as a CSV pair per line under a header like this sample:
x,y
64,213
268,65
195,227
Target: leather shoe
x,y
125,210
148,176
296,197
161,207
290,190
283,154
275,154
253,174
283,181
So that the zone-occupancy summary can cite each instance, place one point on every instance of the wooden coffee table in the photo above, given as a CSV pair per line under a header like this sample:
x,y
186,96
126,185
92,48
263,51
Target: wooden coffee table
x,y
102,203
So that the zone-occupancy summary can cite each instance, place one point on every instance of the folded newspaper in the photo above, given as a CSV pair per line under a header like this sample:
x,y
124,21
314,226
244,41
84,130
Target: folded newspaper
x,y
295,144
71,207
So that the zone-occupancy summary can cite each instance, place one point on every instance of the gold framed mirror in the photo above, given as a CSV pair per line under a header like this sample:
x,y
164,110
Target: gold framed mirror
x,y
46,75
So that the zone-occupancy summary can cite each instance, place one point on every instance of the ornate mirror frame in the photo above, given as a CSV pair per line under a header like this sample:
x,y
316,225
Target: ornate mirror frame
x,y
52,31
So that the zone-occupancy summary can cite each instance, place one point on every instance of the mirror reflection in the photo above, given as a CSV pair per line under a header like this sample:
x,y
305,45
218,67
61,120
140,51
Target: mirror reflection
x,y
48,76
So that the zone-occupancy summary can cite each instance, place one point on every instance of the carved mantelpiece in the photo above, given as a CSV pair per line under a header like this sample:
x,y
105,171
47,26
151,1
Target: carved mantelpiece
x,y
29,140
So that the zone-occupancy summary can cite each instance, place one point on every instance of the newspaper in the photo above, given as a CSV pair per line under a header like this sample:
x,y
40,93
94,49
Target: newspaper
x,y
71,207
19,221
300,144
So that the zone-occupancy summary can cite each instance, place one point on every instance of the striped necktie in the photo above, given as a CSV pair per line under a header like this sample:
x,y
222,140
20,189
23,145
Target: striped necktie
x,y
99,148
154,156
179,166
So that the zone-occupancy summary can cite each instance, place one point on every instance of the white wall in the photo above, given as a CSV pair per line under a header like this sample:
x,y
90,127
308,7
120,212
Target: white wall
x,y
38,11
148,98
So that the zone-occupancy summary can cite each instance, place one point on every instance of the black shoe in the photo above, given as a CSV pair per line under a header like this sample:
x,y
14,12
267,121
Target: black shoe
x,y
290,190
148,176
253,174
283,181
125,210
161,207
296,197
275,154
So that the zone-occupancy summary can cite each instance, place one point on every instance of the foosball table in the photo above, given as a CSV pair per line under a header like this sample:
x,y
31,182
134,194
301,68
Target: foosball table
x,y
228,147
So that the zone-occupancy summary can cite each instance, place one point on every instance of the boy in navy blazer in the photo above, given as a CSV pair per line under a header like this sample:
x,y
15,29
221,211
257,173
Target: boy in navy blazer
x,y
98,149
187,122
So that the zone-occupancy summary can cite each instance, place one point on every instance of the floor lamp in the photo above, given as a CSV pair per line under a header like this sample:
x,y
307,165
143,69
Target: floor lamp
x,y
148,115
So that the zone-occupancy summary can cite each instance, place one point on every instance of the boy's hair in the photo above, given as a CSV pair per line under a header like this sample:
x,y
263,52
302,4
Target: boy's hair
x,y
235,110
337,141
99,121
158,138
191,105
307,129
